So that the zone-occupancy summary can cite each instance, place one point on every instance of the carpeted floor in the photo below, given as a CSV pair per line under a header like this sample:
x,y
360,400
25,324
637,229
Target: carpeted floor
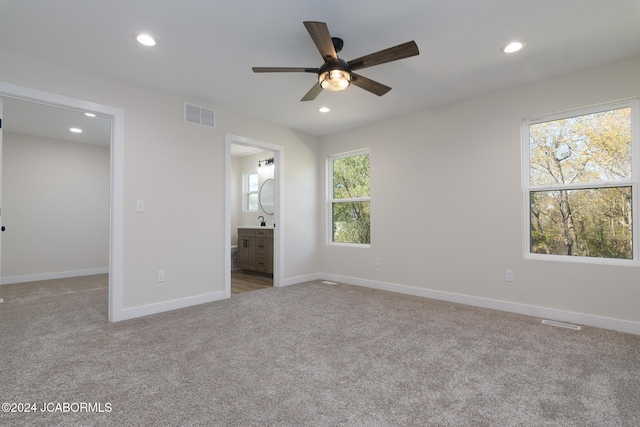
x,y
306,355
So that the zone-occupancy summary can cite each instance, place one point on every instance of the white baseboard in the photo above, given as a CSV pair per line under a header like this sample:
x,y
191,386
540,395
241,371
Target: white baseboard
x,y
529,310
300,279
146,310
55,275
620,325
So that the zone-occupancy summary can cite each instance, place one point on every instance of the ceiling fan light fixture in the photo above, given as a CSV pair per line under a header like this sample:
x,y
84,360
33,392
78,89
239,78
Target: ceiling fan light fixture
x,y
334,80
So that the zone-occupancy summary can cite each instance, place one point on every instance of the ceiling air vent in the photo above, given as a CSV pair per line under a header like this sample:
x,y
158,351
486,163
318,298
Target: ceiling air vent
x,y
199,115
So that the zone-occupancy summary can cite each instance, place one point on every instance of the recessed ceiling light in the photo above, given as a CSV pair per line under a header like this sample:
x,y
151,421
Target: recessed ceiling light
x,y
324,109
146,40
75,130
89,114
513,47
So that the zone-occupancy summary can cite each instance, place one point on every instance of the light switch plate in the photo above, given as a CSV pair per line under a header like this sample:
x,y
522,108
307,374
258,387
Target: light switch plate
x,y
140,206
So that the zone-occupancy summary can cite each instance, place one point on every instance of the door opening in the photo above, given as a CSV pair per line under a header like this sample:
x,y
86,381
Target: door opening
x,y
116,152
267,212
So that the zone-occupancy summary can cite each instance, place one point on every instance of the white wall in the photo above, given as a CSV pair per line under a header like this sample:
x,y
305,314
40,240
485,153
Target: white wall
x,y
56,208
446,204
178,170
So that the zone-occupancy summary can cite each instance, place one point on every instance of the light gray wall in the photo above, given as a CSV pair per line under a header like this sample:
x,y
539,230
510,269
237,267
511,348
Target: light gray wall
x,y
445,187
55,206
446,201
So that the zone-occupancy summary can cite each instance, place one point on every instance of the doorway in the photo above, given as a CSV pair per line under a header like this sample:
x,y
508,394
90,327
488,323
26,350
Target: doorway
x,y
115,116
275,223
55,192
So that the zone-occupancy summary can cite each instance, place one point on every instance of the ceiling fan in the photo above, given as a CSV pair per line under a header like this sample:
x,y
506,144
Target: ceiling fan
x,y
336,74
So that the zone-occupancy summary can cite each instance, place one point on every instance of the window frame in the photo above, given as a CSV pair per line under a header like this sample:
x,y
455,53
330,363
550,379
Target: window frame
x,y
527,189
246,192
331,200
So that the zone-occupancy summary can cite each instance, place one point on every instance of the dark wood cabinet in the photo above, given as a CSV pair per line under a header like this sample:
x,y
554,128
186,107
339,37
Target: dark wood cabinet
x,y
255,249
264,250
246,249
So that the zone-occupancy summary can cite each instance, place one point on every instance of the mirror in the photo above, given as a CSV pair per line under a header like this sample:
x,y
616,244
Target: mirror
x,y
268,196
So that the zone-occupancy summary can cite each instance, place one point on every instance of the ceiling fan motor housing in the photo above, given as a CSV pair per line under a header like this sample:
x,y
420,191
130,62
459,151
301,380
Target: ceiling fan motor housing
x,y
338,43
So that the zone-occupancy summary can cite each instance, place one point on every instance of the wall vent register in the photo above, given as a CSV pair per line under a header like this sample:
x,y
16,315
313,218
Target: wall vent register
x,y
199,115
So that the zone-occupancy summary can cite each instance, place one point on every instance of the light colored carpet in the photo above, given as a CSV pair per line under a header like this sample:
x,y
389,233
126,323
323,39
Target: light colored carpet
x,y
307,355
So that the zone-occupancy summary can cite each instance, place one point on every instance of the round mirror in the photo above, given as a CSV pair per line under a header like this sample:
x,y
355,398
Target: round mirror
x,y
268,196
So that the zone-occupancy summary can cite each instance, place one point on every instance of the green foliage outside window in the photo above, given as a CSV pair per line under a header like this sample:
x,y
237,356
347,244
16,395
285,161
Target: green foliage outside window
x,y
351,200
578,202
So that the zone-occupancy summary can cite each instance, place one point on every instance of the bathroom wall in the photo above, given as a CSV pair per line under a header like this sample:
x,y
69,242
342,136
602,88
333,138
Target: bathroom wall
x,y
249,164
236,197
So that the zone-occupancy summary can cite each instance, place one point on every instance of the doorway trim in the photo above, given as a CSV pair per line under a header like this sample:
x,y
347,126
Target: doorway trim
x,y
278,243
116,179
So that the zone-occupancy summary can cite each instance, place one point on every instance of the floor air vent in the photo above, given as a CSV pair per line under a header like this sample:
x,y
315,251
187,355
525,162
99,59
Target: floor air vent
x,y
199,115
561,324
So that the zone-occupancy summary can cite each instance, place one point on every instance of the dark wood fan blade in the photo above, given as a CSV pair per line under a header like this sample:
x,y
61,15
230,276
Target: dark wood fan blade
x,y
369,85
284,70
313,93
319,33
401,51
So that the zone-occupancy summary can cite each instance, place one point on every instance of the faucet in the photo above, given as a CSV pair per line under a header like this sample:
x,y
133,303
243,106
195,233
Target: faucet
x,y
263,223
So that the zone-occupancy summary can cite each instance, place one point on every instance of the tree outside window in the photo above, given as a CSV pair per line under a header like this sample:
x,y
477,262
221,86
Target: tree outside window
x,y
251,191
581,184
350,198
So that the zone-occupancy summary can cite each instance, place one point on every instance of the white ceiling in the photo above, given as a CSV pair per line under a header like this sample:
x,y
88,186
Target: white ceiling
x,y
46,121
207,47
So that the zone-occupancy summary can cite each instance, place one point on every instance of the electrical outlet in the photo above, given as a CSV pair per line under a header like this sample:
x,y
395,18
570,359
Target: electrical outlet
x,y
509,276
160,276
376,262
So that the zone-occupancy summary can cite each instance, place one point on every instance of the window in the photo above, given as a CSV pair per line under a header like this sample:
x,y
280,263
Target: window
x,y
349,198
250,184
580,184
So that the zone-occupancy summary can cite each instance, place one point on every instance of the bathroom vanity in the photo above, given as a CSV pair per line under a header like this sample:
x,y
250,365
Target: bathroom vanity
x,y
255,249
